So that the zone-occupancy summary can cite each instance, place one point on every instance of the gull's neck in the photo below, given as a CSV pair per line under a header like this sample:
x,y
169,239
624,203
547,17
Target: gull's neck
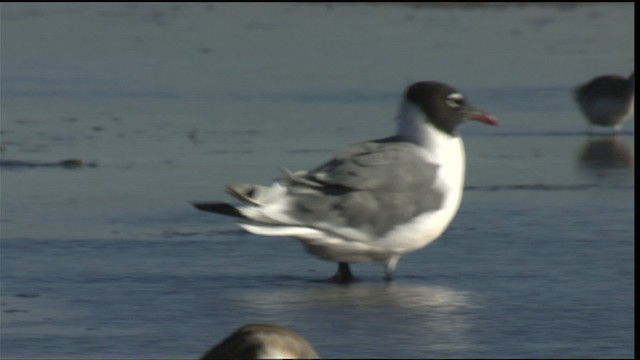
x,y
413,127
440,148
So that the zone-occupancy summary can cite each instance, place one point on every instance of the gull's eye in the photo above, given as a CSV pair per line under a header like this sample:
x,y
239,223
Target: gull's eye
x,y
454,100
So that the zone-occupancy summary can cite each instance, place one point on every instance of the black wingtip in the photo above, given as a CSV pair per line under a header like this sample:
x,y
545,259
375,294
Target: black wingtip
x,y
218,208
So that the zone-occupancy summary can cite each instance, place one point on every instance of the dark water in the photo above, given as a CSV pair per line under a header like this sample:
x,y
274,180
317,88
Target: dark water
x,y
108,260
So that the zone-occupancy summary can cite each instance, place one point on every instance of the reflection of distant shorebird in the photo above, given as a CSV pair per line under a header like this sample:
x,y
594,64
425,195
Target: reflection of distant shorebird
x,y
606,153
607,100
262,341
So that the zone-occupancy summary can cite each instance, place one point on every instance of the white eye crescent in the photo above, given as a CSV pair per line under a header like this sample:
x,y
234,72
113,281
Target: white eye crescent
x,y
454,100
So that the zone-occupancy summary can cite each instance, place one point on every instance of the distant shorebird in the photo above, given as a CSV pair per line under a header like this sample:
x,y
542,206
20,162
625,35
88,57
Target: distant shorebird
x,y
607,100
262,341
376,200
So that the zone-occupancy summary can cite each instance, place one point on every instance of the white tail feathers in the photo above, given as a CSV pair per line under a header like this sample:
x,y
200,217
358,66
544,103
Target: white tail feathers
x,y
299,232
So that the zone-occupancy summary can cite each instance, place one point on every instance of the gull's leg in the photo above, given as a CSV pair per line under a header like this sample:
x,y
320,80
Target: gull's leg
x,y
343,275
390,265
617,128
589,130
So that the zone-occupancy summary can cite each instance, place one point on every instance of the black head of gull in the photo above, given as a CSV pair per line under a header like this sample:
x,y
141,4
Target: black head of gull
x,y
444,106
375,200
607,100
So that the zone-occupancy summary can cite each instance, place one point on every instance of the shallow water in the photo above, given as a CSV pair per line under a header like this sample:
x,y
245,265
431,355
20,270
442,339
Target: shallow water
x,y
172,101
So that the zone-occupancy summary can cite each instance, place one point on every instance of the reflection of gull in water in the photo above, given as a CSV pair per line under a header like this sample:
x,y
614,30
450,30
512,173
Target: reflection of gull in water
x,y
262,341
404,296
605,153
425,319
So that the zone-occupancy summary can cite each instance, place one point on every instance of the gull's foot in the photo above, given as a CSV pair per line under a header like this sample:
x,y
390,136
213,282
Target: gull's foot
x,y
343,275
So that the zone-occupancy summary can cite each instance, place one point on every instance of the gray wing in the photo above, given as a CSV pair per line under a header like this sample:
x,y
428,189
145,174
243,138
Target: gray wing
x,y
370,187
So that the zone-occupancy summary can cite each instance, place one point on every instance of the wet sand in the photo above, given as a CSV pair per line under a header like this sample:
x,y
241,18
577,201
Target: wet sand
x,y
173,101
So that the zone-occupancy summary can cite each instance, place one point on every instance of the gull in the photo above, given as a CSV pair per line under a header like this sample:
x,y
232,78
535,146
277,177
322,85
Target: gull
x,y
262,341
607,100
375,200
